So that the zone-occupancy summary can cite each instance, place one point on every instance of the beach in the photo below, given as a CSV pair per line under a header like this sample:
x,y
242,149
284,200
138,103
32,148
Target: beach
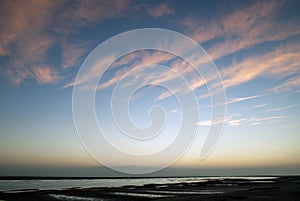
x,y
235,188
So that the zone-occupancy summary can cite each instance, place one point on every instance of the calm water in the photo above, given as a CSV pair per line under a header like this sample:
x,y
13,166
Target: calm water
x,y
8,185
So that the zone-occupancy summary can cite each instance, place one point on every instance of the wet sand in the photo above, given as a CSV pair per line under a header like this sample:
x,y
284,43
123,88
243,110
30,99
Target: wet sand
x,y
282,188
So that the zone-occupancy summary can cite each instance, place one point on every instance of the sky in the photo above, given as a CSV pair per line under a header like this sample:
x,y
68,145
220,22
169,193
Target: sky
x,y
255,46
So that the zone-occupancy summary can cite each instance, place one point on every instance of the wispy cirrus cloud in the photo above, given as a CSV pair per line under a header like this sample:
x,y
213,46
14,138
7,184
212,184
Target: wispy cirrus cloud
x,y
27,45
91,74
244,26
280,63
23,37
280,108
247,27
287,86
72,53
46,74
228,120
240,99
129,62
29,30
204,123
260,120
160,10
236,122
252,121
239,29
237,99
258,106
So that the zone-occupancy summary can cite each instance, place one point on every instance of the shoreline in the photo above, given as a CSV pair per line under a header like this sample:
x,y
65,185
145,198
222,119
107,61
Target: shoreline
x,y
132,177
281,188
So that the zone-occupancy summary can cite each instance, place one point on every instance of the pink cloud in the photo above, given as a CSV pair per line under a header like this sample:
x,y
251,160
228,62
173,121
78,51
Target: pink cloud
x,y
160,10
236,100
246,27
92,73
259,106
25,27
236,122
46,75
280,108
270,118
287,86
241,28
71,54
98,10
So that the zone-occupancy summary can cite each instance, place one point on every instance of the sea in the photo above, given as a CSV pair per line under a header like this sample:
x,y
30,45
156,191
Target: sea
x,y
59,184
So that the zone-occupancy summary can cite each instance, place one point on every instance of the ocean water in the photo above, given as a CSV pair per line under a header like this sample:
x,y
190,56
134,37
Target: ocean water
x,y
56,184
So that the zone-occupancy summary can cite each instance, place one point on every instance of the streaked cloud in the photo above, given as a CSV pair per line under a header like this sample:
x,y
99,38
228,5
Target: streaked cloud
x,y
259,120
280,108
236,100
129,62
203,123
236,122
72,53
258,106
280,63
241,28
92,72
176,110
290,84
247,27
160,10
163,95
46,75
233,120
227,121
117,77
24,30
228,33
95,10
30,29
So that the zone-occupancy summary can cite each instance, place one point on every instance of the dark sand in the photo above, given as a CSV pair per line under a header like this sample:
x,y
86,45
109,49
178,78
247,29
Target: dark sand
x,y
283,188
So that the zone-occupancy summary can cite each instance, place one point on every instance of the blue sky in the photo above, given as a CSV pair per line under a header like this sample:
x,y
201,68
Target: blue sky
x,y
254,44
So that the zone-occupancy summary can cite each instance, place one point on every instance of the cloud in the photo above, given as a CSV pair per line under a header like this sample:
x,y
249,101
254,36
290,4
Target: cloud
x,y
233,121
23,37
129,62
143,58
31,29
95,10
46,75
72,53
247,27
256,123
257,120
214,122
203,123
258,106
280,108
91,74
160,10
117,77
292,83
29,36
236,100
236,122
281,62
243,27
74,15
163,95
240,29
177,110
138,62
